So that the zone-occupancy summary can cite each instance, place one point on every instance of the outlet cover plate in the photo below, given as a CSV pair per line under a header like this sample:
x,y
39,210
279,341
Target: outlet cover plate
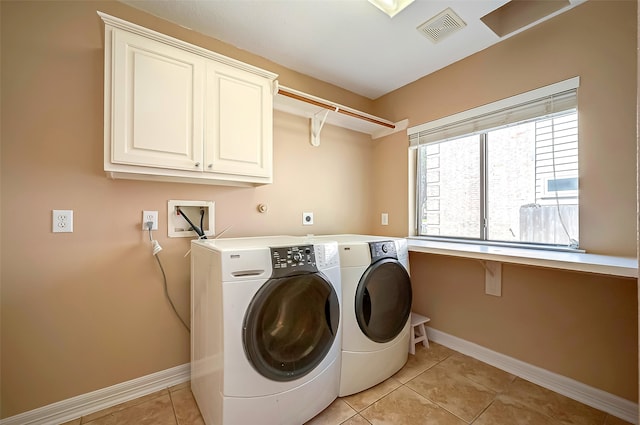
x,y
307,218
62,221
150,216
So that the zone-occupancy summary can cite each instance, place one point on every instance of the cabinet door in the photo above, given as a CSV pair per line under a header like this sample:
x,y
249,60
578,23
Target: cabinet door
x,y
238,122
157,104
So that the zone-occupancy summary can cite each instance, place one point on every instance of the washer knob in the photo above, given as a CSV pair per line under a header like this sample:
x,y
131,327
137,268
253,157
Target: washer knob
x,y
384,248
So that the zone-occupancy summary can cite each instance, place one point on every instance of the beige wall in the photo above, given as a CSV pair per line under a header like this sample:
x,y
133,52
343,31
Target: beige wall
x,y
84,311
561,48
581,326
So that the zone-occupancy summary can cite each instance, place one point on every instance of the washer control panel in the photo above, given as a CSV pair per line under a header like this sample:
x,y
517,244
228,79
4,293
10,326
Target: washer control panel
x,y
293,260
382,249
327,255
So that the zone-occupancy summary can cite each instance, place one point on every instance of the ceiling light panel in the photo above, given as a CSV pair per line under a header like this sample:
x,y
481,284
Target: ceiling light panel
x,y
391,7
442,25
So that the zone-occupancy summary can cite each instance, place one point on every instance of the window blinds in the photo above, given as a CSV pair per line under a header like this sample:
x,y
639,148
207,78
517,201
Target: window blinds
x,y
537,103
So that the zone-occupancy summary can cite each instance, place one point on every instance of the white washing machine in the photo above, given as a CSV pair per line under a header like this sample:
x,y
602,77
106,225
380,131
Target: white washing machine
x,y
377,295
265,329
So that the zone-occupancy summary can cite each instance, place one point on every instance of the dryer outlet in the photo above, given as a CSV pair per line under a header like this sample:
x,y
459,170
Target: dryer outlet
x,y
200,213
307,218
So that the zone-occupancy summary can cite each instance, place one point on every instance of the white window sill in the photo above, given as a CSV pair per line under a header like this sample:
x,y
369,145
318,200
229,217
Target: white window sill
x,y
582,262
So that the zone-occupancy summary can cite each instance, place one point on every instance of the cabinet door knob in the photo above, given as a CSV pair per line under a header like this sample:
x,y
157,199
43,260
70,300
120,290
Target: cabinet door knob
x,y
197,164
210,166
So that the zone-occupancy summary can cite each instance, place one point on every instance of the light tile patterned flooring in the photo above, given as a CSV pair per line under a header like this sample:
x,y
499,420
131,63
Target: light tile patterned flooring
x,y
437,386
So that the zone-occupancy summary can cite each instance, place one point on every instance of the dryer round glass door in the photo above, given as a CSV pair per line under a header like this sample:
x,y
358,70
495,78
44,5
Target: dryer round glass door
x,y
383,300
290,326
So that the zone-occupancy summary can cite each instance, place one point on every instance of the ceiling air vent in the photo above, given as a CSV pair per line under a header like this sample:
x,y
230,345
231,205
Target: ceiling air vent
x,y
441,25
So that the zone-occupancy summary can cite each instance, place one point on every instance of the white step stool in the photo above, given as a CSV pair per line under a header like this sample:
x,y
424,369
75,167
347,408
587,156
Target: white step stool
x,y
418,332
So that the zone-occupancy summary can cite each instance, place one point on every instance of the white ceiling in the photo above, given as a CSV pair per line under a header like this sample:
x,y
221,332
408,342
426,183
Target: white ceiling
x,y
349,43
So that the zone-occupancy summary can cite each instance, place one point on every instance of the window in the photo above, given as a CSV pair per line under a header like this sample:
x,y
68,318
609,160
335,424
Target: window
x,y
506,172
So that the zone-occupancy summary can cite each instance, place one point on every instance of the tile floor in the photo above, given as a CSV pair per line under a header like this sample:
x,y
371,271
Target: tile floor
x,y
437,386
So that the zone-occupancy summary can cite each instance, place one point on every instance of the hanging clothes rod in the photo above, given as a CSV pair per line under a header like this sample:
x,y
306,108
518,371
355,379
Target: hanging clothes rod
x,y
294,94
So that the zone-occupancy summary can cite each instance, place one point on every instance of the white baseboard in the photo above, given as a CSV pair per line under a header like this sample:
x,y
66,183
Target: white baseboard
x,y
73,408
85,404
601,400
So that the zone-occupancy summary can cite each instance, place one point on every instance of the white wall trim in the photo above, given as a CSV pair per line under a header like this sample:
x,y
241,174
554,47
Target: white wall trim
x,y
85,404
594,397
75,407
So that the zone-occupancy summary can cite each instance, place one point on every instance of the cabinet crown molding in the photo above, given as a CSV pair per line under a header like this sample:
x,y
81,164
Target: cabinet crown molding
x,y
163,38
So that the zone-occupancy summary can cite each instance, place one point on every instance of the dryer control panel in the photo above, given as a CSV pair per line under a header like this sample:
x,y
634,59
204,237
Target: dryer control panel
x,y
293,260
382,249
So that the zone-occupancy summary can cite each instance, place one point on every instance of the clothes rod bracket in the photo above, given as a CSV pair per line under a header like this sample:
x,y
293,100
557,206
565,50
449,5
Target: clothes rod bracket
x,y
317,122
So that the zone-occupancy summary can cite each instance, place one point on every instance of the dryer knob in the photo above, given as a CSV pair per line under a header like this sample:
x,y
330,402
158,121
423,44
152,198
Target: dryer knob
x,y
384,248
297,256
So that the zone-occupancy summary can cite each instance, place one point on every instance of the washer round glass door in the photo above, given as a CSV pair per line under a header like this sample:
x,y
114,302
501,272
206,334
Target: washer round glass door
x,y
383,300
290,326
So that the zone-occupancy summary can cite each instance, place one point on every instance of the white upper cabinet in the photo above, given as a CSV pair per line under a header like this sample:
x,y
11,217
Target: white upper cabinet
x,y
157,104
177,112
237,129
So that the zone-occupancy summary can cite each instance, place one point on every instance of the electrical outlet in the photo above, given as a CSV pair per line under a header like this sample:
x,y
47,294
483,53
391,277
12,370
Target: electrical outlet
x,y
62,221
384,220
150,216
307,218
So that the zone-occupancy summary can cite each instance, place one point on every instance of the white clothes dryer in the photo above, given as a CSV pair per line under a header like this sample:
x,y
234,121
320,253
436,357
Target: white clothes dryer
x,y
377,296
265,329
